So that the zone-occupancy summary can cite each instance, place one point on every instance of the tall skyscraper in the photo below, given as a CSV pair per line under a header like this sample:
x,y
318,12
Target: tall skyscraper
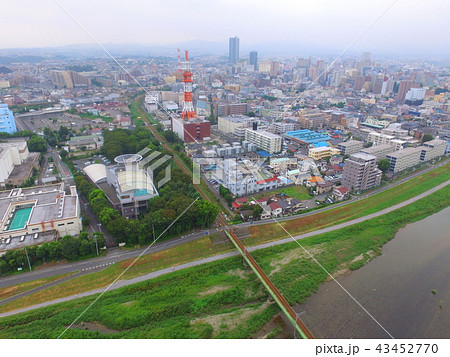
x,y
234,50
7,121
254,59
366,59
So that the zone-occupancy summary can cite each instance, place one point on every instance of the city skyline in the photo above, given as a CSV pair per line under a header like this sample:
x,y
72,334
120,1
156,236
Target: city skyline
x,y
289,28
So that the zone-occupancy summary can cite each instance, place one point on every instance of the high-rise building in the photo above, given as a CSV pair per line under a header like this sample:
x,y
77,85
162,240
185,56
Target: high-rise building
x,y
361,172
403,88
234,50
366,59
254,59
7,121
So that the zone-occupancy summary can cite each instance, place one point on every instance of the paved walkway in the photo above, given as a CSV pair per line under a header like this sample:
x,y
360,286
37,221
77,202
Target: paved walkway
x,y
122,283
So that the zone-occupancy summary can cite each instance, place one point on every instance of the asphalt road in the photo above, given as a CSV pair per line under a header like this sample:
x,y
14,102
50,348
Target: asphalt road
x,y
122,283
116,254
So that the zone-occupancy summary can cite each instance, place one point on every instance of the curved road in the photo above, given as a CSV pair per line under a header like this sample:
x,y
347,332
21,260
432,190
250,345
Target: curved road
x,y
154,274
117,254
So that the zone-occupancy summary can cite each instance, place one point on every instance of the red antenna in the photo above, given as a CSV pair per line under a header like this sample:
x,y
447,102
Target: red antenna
x,y
179,60
188,106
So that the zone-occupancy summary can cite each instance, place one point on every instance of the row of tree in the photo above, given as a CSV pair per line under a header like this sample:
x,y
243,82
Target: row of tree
x,y
123,141
67,247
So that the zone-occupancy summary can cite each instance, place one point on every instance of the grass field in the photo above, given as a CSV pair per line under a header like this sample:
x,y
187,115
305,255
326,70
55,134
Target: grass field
x,y
222,299
208,246
20,288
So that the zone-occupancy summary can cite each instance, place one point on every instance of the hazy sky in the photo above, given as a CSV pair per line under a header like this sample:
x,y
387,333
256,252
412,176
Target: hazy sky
x,y
410,25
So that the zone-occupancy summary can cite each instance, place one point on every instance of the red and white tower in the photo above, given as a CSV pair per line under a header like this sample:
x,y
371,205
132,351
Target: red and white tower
x,y
188,106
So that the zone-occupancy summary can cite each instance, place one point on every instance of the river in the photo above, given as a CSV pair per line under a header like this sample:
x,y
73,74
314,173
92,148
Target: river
x,y
406,289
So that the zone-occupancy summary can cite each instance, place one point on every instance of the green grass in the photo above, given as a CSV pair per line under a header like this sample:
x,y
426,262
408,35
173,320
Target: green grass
x,y
9,291
259,234
92,116
188,303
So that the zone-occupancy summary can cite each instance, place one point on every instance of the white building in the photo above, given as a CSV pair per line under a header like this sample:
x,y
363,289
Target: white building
x,y
235,124
432,149
30,216
404,159
243,178
264,140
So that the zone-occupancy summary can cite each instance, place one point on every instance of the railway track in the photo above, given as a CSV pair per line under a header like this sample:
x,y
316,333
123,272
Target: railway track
x,y
284,305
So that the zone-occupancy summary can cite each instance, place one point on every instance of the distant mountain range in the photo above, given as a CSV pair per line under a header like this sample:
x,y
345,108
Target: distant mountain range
x,y
195,47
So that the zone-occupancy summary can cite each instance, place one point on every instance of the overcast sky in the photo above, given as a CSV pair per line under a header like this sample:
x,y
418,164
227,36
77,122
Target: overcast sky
x,y
409,26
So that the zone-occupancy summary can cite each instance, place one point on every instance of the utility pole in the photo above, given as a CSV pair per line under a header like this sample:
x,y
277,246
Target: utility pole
x,y
96,244
29,264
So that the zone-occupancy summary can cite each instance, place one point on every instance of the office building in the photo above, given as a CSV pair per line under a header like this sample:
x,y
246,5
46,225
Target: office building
x,y
264,140
361,172
350,147
226,109
35,215
415,96
403,88
254,59
404,159
191,130
233,52
7,121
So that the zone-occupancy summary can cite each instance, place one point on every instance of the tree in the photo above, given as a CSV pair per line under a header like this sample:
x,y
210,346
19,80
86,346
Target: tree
x,y
427,137
37,144
384,165
257,210
50,137
63,132
70,247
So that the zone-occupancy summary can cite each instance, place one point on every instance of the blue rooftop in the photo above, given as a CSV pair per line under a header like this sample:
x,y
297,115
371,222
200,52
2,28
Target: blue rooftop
x,y
263,153
307,136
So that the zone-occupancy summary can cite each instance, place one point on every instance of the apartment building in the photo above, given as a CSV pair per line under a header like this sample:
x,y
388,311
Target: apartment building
x,y
264,140
432,149
243,178
379,151
235,125
350,147
404,159
361,172
314,120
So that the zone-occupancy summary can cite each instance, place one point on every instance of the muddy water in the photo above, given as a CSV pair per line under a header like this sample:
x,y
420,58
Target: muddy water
x,y
396,288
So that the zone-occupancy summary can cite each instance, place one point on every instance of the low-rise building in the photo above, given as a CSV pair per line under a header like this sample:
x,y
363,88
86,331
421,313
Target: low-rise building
x,y
86,142
16,163
323,152
30,216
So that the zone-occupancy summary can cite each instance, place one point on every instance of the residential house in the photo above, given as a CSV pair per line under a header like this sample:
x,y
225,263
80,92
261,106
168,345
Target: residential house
x,y
340,193
277,211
